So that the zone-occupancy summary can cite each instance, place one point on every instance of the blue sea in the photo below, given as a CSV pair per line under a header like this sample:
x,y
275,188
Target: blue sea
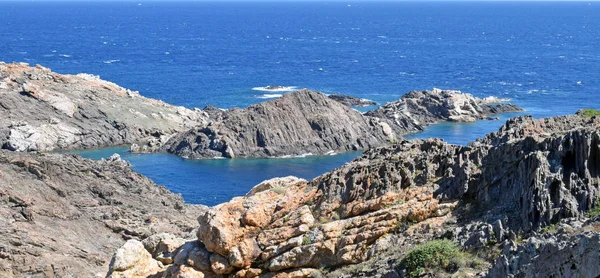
x,y
545,56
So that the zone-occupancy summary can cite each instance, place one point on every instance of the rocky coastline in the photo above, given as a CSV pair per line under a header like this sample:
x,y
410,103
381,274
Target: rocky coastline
x,y
520,207
521,202
309,122
46,111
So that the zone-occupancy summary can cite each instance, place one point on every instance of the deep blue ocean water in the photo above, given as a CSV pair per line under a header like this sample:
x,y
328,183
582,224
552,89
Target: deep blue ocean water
x,y
545,56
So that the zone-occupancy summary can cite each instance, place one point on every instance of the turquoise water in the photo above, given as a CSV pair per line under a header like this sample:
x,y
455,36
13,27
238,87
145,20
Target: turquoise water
x,y
463,133
215,181
545,56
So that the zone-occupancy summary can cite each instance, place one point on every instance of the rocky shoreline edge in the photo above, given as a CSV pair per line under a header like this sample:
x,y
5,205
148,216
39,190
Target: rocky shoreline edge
x,y
45,111
520,202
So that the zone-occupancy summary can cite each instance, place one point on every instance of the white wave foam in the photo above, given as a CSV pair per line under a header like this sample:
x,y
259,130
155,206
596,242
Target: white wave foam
x,y
111,61
296,156
266,96
275,88
65,55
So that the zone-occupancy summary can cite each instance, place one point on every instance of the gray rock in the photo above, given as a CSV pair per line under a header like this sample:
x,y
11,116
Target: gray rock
x,y
419,109
298,123
352,101
550,256
65,216
44,111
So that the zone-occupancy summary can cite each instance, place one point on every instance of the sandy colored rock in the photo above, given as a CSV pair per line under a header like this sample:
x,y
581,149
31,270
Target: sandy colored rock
x,y
132,260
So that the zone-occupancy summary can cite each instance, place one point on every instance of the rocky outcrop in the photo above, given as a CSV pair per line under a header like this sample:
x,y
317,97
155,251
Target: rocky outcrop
x,y
418,109
373,210
573,250
63,216
42,111
45,111
352,101
304,122
298,123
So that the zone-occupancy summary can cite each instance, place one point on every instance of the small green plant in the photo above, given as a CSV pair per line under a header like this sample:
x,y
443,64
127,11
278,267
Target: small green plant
x,y
306,240
278,190
438,255
589,112
550,229
595,211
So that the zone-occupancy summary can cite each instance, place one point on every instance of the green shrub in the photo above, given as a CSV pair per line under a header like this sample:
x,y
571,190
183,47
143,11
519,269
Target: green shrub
x,y
550,229
306,240
589,112
595,211
439,255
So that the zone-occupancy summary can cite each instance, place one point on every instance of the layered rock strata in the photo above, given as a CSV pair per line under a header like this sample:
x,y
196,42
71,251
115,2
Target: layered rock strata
x,y
298,123
304,122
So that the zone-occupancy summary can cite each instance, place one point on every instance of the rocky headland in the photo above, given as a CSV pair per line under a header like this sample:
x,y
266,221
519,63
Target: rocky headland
x,y
308,122
522,202
44,111
298,123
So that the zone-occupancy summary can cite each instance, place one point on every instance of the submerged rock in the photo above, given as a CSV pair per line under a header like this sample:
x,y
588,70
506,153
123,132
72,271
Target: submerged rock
x,y
352,101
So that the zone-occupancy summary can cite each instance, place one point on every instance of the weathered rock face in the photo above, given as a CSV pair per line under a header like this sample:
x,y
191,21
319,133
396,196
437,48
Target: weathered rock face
x,y
298,123
352,101
42,111
63,216
418,109
376,208
571,251
304,122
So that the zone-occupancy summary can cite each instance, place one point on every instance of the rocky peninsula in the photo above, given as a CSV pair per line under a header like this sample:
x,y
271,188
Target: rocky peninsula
x,y
308,122
44,111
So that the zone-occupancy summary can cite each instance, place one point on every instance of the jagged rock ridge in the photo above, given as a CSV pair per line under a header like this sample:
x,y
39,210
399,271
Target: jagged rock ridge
x,y
373,210
298,123
309,122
